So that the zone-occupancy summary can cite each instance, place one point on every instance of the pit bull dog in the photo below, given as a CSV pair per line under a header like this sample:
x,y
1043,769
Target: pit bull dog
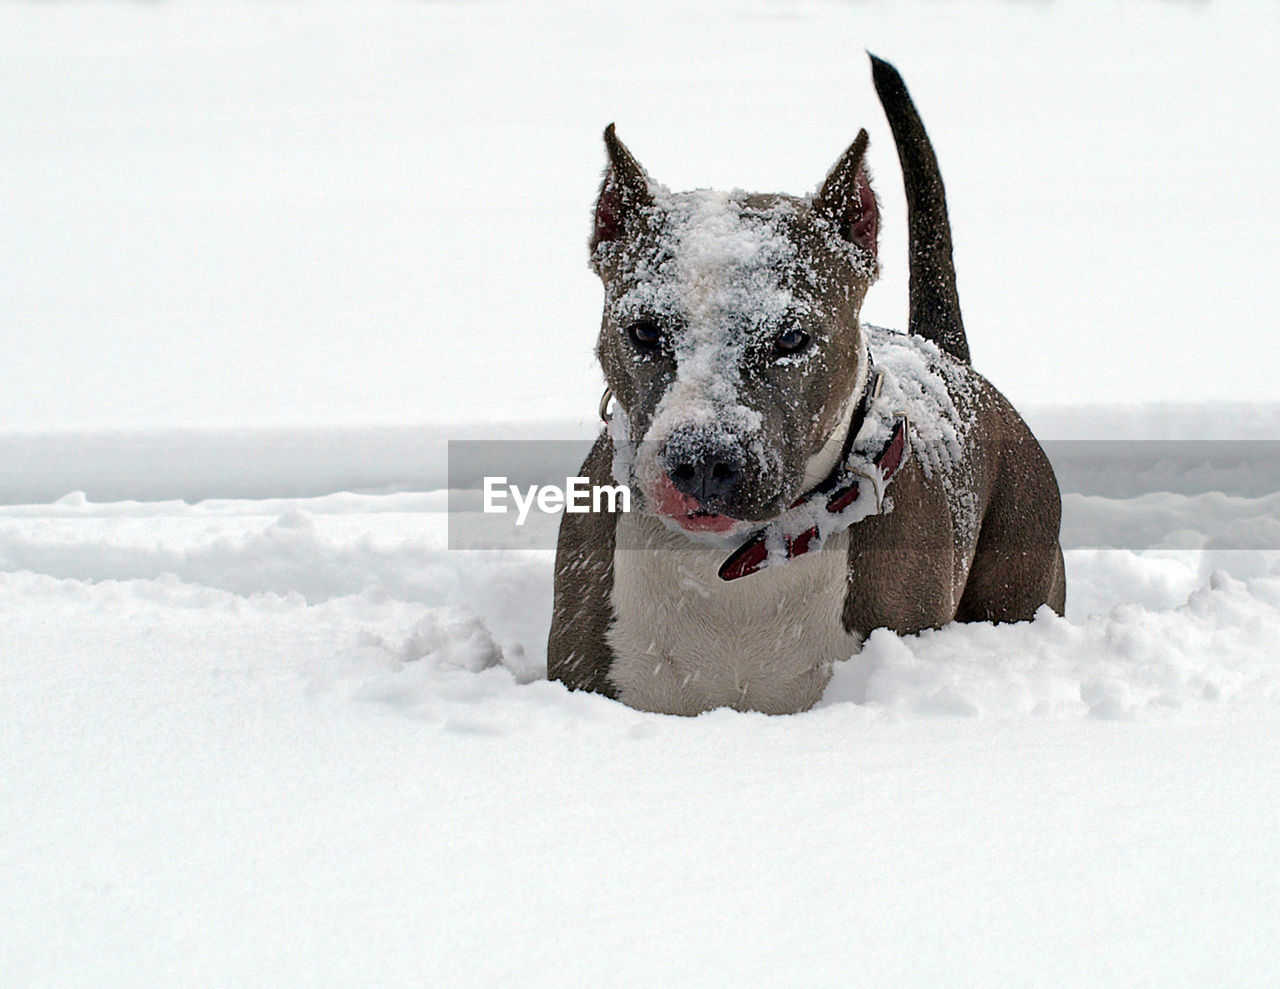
x,y
799,478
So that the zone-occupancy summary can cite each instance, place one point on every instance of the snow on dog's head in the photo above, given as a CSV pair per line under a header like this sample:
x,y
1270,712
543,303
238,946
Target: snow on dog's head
x,y
730,336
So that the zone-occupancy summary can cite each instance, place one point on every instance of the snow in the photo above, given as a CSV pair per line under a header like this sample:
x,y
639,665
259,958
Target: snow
x,y
314,214
261,725
314,744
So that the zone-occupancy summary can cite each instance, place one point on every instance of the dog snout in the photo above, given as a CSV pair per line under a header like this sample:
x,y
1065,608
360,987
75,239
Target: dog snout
x,y
705,467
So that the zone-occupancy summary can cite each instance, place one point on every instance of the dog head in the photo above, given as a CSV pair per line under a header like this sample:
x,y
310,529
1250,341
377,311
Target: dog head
x,y
731,336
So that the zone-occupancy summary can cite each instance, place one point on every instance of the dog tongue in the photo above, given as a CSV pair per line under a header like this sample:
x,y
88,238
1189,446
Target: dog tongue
x,y
685,511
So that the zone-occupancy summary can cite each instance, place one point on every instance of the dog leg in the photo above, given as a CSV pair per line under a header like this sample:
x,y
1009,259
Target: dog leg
x,y
577,653
1017,566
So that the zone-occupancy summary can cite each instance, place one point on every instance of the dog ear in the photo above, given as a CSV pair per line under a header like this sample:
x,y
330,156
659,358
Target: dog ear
x,y
847,200
625,190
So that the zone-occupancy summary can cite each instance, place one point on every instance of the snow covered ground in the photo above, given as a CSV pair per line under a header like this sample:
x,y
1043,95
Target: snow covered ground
x,y
261,726
301,741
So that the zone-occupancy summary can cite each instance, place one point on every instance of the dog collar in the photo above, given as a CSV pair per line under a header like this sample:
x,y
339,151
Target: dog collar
x,y
851,492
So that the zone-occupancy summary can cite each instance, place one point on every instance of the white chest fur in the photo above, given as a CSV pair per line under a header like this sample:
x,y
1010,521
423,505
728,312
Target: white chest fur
x,y
685,641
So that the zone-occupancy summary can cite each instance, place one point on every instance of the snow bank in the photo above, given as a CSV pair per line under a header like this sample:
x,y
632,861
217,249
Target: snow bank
x,y
1162,619
1220,645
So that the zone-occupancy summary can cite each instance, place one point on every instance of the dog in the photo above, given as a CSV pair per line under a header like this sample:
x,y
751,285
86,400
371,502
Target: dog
x,y
799,478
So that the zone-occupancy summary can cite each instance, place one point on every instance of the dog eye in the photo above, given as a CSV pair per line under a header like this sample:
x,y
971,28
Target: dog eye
x,y
645,334
790,342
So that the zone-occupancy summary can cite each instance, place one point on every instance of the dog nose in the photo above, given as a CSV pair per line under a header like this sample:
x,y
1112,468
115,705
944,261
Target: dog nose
x,y
704,467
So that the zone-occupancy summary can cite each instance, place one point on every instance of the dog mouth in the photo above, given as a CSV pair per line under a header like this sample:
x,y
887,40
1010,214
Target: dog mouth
x,y
704,521
686,511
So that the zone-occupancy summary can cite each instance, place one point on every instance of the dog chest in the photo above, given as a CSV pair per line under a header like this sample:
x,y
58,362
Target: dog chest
x,y
685,641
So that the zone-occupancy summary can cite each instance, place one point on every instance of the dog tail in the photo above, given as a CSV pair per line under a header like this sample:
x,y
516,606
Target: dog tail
x,y
935,304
